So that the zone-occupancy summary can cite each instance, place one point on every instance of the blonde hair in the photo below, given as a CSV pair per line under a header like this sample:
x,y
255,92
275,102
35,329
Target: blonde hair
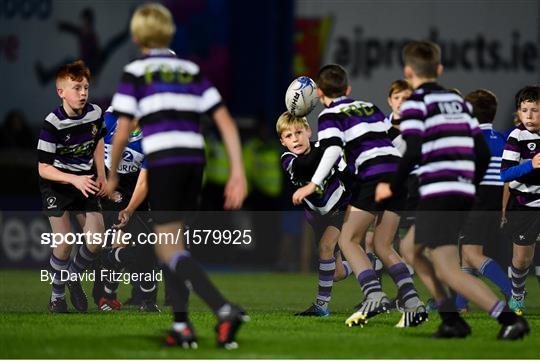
x,y
286,120
152,26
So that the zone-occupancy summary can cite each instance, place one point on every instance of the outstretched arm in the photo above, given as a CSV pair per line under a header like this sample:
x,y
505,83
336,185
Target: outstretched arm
x,y
139,195
99,161
411,157
329,158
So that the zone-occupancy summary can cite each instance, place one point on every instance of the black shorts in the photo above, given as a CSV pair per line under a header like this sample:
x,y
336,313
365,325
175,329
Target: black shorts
x,y
57,198
408,216
363,197
439,220
173,191
523,224
482,224
319,222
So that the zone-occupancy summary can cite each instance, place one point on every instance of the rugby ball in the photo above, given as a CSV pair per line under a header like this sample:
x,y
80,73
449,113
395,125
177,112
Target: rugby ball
x,y
301,96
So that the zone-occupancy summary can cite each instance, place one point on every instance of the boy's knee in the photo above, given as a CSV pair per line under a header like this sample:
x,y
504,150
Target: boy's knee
x,y
326,251
522,262
352,238
408,256
339,276
63,253
94,248
466,256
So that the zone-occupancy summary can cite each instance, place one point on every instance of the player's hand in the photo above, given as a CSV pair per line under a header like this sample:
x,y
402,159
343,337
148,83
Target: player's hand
x,y
116,197
303,192
235,192
536,161
85,184
123,216
101,181
382,192
112,183
504,220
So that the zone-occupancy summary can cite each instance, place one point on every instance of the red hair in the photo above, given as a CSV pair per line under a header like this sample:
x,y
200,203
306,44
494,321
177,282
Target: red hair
x,y
75,71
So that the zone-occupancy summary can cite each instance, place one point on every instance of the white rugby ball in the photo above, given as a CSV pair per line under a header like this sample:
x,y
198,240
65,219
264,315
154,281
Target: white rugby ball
x,y
301,96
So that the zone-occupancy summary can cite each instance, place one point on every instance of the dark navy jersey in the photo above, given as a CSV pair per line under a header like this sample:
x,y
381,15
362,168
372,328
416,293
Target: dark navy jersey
x,y
168,95
68,143
360,129
332,194
444,122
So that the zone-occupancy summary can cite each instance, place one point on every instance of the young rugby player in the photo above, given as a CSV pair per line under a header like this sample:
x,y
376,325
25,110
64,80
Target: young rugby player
x,y
167,96
72,173
324,209
484,219
119,213
446,141
358,128
520,166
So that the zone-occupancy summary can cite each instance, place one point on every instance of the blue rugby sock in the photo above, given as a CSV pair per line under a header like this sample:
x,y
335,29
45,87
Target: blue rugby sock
x,y
495,274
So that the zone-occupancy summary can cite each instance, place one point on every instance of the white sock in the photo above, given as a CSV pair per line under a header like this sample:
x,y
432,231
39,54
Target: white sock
x,y
179,326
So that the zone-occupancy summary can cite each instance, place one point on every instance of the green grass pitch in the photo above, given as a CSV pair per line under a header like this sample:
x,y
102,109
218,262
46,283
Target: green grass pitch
x,y
27,330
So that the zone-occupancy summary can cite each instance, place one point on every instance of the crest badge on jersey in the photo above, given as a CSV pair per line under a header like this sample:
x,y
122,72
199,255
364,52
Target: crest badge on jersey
x,y
94,129
531,146
51,202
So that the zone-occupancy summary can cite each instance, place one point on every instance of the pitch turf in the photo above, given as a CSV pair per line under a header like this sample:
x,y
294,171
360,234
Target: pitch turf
x,y
28,331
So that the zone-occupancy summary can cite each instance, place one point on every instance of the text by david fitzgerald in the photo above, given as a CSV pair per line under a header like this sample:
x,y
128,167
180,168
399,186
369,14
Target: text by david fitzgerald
x,y
103,275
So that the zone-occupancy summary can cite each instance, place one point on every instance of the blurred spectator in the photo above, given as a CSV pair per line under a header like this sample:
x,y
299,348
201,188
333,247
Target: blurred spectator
x,y
216,171
90,51
262,160
15,132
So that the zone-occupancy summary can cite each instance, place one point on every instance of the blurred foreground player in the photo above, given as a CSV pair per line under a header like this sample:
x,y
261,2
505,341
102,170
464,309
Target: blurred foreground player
x,y
485,217
169,95
446,141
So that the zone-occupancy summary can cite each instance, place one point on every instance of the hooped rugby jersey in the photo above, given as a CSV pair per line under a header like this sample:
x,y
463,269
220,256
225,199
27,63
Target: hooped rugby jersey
x,y
521,146
68,143
360,129
168,95
332,194
444,122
